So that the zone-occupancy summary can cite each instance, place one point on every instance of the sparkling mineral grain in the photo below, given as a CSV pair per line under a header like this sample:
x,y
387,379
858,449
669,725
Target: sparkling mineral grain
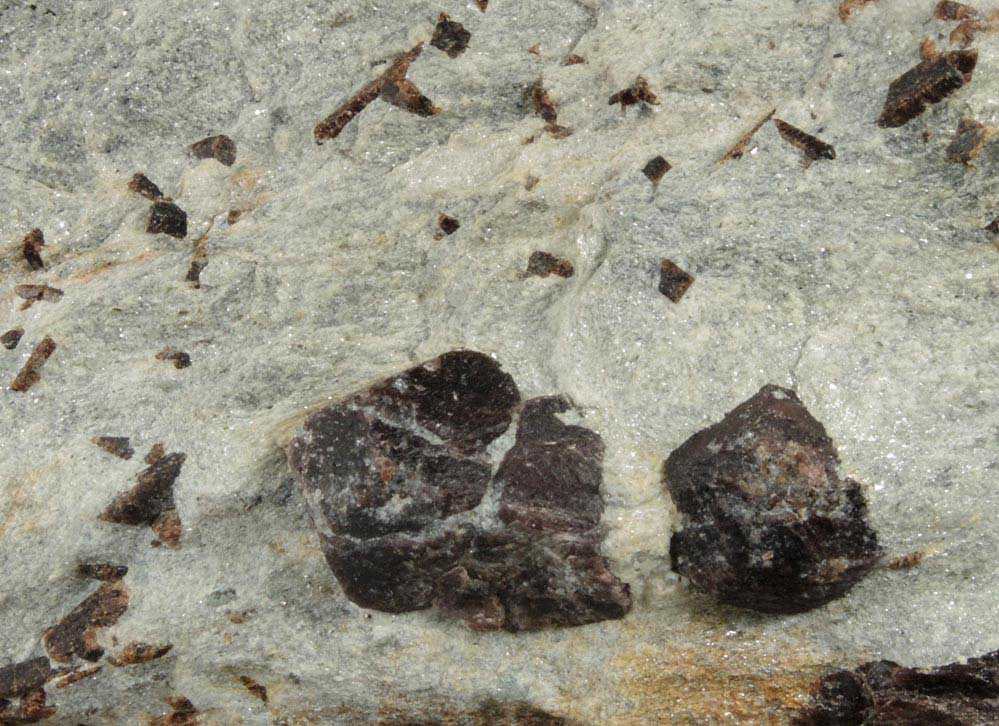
x,y
401,490
767,522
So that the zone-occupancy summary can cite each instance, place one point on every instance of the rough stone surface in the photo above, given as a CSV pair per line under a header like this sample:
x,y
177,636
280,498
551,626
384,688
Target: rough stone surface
x,y
410,515
883,692
767,522
867,284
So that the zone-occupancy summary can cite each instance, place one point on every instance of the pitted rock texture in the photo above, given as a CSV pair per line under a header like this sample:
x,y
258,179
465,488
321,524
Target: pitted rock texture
x,y
767,522
883,692
402,492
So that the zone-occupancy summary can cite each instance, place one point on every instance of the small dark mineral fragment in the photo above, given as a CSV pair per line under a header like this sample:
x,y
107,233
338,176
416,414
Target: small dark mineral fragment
x,y
29,374
180,358
543,105
906,561
656,167
573,59
33,293
812,147
101,571
76,634
140,184
767,522
199,261
11,338
950,10
396,478
31,249
969,140
134,653
883,692
168,218
182,713
739,147
233,216
638,91
993,226
116,445
332,125
258,690
930,81
450,36
221,148
403,93
150,502
543,264
673,281
447,226
482,4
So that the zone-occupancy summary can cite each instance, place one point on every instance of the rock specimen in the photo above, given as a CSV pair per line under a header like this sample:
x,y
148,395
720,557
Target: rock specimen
x,y
168,218
543,264
400,487
656,167
928,82
450,36
31,249
29,374
969,140
76,634
150,502
140,184
882,692
220,147
767,522
812,147
11,338
673,280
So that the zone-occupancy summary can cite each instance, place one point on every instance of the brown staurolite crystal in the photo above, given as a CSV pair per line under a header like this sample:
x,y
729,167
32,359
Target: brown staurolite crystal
x,y
76,634
767,522
450,36
168,218
221,148
543,264
882,692
396,478
31,249
929,82
674,281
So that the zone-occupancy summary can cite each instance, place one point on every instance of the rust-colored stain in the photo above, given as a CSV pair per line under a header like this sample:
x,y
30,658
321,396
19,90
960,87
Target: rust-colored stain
x,y
737,680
